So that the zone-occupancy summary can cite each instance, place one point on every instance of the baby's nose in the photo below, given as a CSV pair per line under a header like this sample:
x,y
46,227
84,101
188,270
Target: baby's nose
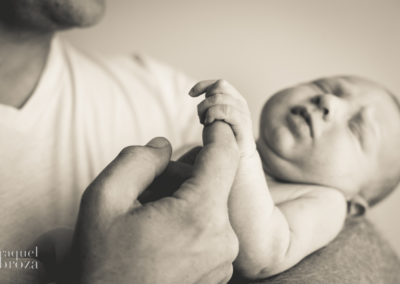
x,y
326,104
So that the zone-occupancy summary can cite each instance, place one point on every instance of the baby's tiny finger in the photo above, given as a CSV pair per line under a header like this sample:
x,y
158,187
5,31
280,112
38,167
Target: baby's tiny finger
x,y
201,87
218,99
223,86
208,120
218,112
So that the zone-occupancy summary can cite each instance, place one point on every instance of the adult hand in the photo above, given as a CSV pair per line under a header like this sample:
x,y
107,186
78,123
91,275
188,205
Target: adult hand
x,y
176,173
183,238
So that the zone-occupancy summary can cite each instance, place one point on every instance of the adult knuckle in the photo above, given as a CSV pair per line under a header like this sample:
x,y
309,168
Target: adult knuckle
x,y
229,243
129,151
232,245
197,221
205,219
228,272
132,154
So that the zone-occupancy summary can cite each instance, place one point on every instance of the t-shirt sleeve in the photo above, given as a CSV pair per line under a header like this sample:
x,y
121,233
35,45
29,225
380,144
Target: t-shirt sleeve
x,y
151,99
181,109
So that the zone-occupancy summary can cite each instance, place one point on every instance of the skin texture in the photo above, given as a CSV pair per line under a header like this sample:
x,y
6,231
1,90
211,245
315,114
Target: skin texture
x,y
358,255
349,123
50,15
115,237
350,258
355,127
276,226
26,29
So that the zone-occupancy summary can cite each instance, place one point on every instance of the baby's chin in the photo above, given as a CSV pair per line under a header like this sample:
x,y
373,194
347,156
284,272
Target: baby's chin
x,y
274,165
287,171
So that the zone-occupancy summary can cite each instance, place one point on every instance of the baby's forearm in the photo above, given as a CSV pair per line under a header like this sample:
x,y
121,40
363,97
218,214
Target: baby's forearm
x,y
271,238
262,230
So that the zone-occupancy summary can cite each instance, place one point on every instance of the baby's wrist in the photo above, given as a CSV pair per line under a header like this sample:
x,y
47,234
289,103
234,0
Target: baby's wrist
x,y
249,152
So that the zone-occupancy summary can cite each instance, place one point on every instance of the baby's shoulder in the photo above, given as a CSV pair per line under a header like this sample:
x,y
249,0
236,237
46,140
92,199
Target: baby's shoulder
x,y
282,192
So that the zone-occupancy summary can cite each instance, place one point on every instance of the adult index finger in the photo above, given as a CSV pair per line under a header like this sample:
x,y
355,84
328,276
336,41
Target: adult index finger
x,y
117,187
215,167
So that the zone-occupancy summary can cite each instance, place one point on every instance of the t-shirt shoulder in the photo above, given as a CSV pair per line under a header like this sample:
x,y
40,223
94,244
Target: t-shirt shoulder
x,y
140,88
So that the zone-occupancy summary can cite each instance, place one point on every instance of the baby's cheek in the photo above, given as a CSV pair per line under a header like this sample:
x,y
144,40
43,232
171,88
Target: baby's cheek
x,y
281,141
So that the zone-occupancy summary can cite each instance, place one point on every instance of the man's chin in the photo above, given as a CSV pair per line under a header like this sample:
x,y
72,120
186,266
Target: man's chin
x,y
51,15
75,18
278,163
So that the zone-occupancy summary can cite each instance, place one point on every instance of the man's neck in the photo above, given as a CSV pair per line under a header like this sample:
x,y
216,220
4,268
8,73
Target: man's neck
x,y
23,56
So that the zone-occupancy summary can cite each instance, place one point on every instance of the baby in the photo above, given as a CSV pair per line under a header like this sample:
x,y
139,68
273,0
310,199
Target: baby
x,y
327,149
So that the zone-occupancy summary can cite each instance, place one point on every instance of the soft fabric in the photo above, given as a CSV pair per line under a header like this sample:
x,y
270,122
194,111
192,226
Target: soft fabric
x,y
357,255
84,110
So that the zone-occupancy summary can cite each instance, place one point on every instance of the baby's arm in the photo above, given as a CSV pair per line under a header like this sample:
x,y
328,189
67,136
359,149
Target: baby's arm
x,y
271,239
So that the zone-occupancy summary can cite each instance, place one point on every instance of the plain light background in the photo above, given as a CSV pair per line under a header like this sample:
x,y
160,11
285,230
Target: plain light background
x,y
262,46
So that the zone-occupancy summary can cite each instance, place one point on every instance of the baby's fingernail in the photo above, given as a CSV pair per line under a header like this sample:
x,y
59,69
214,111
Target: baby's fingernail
x,y
191,93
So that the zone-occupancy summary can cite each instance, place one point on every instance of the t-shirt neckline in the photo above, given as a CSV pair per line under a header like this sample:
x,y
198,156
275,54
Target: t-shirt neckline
x,y
45,91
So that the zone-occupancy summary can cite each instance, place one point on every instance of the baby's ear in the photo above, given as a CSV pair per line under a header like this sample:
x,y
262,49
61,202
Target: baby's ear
x,y
357,206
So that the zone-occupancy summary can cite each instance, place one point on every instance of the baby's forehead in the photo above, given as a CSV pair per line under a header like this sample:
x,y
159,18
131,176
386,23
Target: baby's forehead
x,y
361,92
361,89
347,85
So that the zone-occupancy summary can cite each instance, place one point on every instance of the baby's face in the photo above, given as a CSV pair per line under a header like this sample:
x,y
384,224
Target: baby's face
x,y
339,131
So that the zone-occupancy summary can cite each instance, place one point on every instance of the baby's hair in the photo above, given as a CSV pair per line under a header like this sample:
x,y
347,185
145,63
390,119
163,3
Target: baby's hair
x,y
377,191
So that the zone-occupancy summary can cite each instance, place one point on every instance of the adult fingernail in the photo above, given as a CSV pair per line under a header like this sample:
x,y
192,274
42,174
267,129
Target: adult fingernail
x,y
158,142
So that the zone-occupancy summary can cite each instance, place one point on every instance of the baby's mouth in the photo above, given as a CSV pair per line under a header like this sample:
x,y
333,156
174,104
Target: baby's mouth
x,y
303,112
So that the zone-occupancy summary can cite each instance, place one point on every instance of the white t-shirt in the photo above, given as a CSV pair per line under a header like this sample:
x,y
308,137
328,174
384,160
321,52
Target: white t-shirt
x,y
84,110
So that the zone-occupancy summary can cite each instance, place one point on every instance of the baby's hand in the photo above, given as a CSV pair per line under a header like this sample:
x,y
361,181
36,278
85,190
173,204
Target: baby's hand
x,y
224,102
